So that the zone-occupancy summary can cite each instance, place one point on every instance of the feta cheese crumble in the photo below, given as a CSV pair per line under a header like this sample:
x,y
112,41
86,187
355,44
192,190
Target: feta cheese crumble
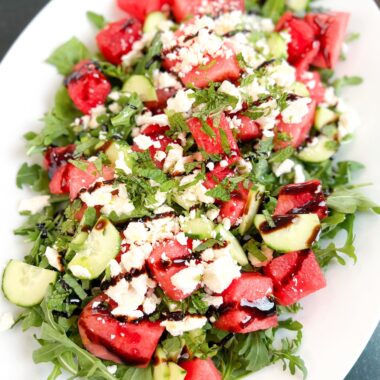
x,y
34,205
189,323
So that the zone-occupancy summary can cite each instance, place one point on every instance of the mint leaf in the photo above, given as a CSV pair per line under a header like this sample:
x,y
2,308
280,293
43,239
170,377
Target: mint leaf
x,y
281,155
219,192
66,56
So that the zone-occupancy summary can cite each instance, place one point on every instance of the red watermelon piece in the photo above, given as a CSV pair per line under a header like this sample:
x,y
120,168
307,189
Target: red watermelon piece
x,y
312,80
302,198
295,275
184,10
117,39
107,338
298,132
241,312
140,9
198,369
212,144
330,29
163,271
87,86
248,129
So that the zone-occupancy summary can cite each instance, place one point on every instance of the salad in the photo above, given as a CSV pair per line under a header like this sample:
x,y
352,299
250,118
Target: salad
x,y
188,194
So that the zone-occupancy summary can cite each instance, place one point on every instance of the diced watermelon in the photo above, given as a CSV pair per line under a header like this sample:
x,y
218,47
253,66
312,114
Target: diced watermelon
x,y
58,183
198,369
295,275
107,338
220,172
247,305
184,9
302,198
234,208
212,144
298,132
55,157
163,271
312,80
78,179
87,86
117,39
304,46
248,129
140,9
70,179
163,94
330,29
219,69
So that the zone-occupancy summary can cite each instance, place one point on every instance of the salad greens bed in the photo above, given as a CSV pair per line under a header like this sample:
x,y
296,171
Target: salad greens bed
x,y
55,227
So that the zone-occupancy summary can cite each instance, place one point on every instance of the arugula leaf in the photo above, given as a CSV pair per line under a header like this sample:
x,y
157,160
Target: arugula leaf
x,y
349,201
66,56
339,83
34,176
273,9
96,19
151,61
331,227
135,373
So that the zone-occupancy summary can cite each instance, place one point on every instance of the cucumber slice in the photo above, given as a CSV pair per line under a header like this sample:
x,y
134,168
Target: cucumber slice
x,y
184,203
299,89
153,21
198,228
120,151
168,371
253,203
320,150
290,233
277,46
26,285
324,116
297,5
102,245
142,87
236,250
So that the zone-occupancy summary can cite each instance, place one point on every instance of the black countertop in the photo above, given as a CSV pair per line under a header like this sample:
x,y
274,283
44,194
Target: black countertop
x,y
16,14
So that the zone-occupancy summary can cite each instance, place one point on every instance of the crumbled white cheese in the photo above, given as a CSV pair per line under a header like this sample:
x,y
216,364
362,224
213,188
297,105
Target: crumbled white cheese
x,y
268,120
143,142
174,159
54,258
129,296
121,163
160,155
135,257
115,107
148,119
181,238
299,174
195,193
215,301
254,89
296,110
115,268
34,205
284,168
150,304
219,274
6,321
165,80
284,75
187,280
80,272
112,369
230,89
189,323
181,102
244,166
136,232
213,213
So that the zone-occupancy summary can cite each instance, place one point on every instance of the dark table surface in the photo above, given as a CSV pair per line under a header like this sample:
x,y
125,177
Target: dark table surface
x,y
16,14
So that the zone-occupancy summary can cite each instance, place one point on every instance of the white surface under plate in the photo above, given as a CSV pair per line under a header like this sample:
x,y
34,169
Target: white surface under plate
x,y
338,321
